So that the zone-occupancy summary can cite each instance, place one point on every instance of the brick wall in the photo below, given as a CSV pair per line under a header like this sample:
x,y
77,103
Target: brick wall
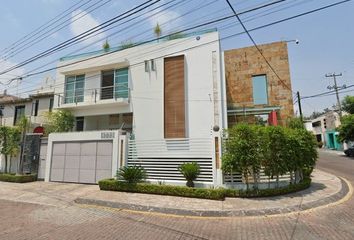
x,y
241,64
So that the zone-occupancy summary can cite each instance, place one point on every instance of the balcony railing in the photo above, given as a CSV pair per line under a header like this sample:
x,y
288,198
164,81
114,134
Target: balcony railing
x,y
118,92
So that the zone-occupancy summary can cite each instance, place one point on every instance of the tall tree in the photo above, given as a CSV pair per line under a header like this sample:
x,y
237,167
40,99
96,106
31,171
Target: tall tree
x,y
348,104
10,144
60,121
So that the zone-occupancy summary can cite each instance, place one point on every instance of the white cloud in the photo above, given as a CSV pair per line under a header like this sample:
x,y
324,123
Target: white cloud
x,y
81,21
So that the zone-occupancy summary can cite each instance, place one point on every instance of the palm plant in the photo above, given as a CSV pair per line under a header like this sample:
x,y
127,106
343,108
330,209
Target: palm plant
x,y
190,171
132,174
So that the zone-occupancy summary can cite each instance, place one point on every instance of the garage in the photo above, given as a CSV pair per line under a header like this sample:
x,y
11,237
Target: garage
x,y
81,161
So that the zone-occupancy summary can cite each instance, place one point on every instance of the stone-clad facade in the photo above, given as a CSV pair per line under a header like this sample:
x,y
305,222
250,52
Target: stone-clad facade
x,y
244,63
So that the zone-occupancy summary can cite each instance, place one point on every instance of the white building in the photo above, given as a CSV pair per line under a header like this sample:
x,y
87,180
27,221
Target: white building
x,y
34,108
168,96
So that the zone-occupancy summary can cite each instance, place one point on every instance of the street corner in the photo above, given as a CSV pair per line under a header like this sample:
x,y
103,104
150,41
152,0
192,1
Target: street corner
x,y
326,190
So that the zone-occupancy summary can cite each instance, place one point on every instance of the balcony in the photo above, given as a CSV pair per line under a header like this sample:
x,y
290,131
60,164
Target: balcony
x,y
89,98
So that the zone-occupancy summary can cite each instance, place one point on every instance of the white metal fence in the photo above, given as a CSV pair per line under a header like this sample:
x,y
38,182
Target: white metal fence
x,y
161,158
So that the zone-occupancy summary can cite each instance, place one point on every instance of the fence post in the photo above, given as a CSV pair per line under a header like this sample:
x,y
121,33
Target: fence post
x,y
216,151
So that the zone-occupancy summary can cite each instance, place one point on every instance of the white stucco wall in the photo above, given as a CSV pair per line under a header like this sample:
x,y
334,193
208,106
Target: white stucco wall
x,y
9,111
147,88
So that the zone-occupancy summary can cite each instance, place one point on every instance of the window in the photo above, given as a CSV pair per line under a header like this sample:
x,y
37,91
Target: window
x,y
35,107
80,124
147,67
107,84
121,83
260,93
114,84
51,103
74,89
174,97
19,112
153,66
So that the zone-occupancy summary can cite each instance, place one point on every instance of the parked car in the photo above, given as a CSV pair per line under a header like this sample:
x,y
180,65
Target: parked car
x,y
349,152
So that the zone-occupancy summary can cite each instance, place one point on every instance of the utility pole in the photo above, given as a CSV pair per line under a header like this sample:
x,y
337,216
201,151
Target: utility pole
x,y
299,102
335,87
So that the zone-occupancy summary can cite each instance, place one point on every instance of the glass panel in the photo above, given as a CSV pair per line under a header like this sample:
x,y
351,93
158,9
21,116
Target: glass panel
x,y
260,94
79,84
121,83
122,71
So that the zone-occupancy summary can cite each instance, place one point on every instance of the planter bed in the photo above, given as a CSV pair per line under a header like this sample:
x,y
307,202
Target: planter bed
x,y
6,177
114,185
213,194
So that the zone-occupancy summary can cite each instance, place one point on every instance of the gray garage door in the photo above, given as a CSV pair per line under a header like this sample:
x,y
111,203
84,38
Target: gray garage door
x,y
81,162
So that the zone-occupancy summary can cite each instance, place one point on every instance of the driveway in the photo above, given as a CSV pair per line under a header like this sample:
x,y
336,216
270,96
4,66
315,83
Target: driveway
x,y
43,193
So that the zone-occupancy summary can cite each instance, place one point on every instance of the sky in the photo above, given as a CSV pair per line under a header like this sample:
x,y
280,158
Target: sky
x,y
325,38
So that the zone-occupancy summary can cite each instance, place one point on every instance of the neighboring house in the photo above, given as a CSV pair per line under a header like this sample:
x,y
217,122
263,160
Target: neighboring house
x,y
324,128
254,93
34,108
157,105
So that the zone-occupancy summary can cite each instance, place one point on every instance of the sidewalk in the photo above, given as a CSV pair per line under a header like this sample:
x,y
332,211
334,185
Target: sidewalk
x,y
325,189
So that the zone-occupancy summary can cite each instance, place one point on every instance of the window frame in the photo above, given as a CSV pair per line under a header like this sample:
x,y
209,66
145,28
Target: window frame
x,y
75,98
35,106
256,101
16,116
116,88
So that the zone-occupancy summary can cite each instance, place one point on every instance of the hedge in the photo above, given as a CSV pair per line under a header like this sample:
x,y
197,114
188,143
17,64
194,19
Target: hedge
x,y
5,177
114,185
304,184
214,194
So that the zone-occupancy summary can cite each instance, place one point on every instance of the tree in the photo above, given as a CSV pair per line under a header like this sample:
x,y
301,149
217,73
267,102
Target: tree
x,y
23,124
295,123
346,129
106,45
275,162
348,104
157,30
243,152
60,121
10,144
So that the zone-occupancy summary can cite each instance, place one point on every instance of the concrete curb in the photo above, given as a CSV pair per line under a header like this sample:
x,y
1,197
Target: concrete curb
x,y
345,189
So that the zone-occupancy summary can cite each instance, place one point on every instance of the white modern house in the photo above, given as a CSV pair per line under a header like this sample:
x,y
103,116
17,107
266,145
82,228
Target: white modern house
x,y
156,105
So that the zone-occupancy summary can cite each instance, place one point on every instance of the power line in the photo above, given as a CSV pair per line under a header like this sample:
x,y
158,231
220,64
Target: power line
x,y
40,28
257,47
107,23
56,28
154,39
227,37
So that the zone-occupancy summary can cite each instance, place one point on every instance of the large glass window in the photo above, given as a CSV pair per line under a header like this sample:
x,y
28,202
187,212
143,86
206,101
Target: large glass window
x,y
260,92
114,84
74,89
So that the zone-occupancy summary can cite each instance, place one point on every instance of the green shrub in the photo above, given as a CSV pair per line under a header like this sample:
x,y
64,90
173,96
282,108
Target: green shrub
x,y
190,171
17,178
131,174
214,194
320,144
304,184
278,150
114,185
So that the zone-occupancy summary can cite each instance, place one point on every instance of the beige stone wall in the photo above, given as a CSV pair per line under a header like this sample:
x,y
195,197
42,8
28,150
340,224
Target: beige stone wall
x,y
241,64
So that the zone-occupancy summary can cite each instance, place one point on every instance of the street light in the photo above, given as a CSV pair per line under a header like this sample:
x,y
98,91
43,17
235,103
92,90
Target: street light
x,y
296,41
